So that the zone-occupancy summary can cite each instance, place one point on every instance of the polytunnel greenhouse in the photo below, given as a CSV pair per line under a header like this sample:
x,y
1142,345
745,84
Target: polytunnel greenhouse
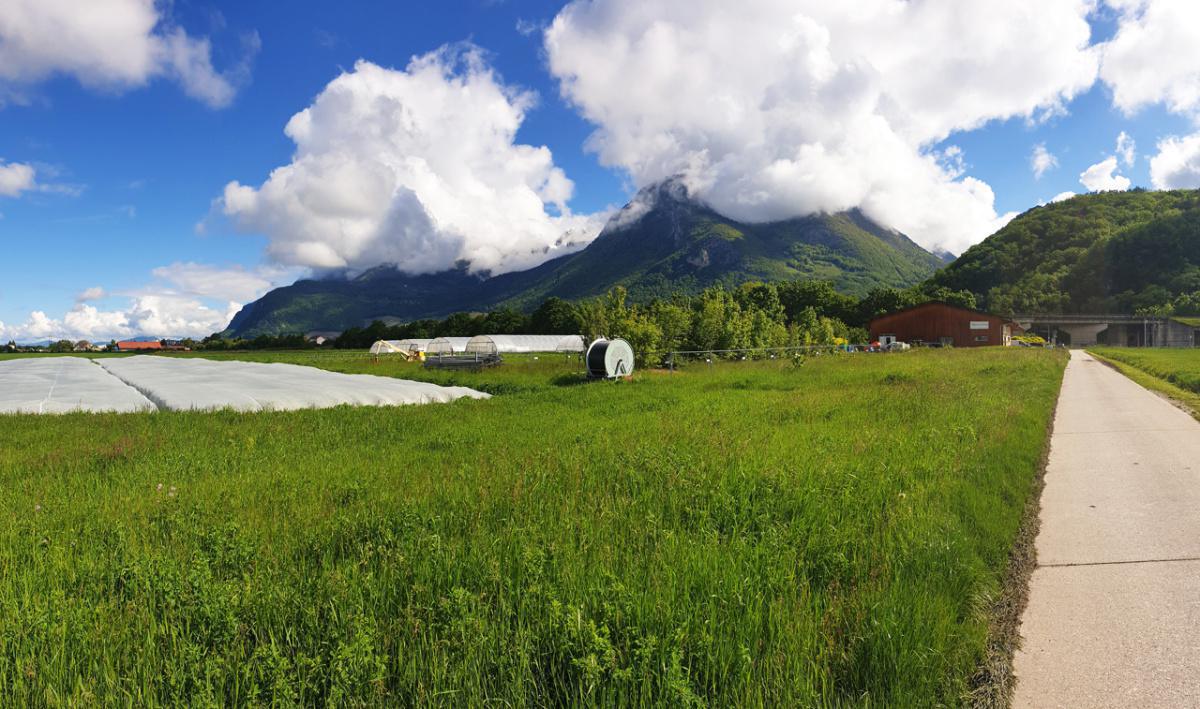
x,y
399,346
447,345
514,344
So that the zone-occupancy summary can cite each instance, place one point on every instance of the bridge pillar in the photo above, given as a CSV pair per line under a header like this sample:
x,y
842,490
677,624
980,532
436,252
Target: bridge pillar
x,y
1117,335
1083,335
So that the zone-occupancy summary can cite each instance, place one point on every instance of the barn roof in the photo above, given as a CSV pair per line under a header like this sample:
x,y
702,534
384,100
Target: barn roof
x,y
139,345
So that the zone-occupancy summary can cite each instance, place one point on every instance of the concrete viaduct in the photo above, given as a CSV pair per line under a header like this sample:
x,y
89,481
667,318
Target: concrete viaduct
x,y
1117,330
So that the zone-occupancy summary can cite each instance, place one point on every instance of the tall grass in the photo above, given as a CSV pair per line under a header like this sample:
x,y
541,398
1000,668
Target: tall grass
x,y
754,534
1180,367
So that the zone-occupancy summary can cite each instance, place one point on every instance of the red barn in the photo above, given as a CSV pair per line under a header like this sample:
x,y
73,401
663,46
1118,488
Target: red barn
x,y
942,324
133,346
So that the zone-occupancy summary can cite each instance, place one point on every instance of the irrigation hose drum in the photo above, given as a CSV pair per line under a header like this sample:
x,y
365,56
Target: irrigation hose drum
x,y
609,359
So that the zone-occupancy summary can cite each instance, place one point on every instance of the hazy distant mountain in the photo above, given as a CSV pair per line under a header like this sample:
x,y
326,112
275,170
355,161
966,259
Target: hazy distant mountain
x,y
662,242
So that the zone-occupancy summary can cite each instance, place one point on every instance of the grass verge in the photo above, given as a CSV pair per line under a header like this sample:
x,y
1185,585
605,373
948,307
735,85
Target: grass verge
x,y
1175,374
993,684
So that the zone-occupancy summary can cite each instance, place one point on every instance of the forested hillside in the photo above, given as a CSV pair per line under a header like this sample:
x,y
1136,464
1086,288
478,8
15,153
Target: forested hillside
x,y
1135,251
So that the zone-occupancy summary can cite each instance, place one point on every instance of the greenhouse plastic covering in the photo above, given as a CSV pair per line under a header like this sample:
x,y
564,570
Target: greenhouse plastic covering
x,y
506,344
398,346
447,345
414,345
57,385
146,383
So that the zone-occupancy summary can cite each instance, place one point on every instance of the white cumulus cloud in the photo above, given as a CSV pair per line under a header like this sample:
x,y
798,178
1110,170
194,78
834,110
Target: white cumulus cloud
x,y
110,45
418,168
1103,176
823,105
1126,149
160,315
228,283
1061,197
93,293
1177,164
1042,160
184,300
1155,55
15,178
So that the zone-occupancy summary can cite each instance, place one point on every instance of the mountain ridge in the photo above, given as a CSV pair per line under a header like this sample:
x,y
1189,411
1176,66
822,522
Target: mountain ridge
x,y
663,241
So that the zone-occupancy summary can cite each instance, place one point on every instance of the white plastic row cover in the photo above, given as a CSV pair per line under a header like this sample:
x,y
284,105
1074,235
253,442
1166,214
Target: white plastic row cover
x,y
146,383
58,385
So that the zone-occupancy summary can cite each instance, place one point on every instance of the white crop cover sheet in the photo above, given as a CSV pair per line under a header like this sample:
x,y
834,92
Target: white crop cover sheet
x,y
184,384
59,385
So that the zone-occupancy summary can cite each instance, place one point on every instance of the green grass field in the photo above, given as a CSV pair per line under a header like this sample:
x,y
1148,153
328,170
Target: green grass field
x,y
1173,372
1180,367
754,534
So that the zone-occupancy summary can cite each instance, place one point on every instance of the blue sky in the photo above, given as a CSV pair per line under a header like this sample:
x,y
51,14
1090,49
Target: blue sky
x,y
127,168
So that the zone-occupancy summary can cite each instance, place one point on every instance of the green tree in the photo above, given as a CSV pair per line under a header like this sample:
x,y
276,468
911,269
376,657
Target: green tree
x,y
674,322
641,332
459,325
880,301
961,298
720,323
555,316
795,296
504,321
611,316
812,329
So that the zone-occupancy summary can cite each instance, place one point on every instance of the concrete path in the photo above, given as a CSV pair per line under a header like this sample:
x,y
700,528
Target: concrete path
x,y
1114,606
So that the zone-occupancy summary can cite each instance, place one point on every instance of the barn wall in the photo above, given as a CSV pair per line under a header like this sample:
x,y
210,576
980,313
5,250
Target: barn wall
x,y
930,323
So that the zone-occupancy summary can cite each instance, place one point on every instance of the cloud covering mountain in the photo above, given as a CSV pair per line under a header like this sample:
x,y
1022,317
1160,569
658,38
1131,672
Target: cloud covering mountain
x,y
823,106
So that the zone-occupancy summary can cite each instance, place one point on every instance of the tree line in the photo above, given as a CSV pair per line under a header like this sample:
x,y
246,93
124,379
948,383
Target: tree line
x,y
748,316
752,315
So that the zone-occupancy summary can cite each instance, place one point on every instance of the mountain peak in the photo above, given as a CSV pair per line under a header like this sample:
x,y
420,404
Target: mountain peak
x,y
669,194
664,241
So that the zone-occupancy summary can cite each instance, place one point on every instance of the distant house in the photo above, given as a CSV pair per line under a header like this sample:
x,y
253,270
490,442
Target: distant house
x,y
942,324
134,346
83,346
320,337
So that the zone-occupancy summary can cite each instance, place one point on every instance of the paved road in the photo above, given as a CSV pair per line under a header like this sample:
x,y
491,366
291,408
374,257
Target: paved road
x,y
1114,606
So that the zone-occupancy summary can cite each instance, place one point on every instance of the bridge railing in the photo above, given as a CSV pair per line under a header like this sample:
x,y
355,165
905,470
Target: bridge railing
x,y
1081,319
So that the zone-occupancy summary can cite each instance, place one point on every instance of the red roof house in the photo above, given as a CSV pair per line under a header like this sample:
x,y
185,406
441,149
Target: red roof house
x,y
132,346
